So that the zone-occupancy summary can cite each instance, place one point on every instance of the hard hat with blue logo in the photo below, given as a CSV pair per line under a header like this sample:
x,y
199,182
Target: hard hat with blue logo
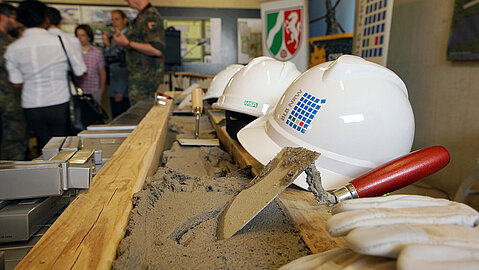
x,y
355,113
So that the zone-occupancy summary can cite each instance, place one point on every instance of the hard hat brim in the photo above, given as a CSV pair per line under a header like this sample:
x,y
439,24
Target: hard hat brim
x,y
256,141
233,103
207,96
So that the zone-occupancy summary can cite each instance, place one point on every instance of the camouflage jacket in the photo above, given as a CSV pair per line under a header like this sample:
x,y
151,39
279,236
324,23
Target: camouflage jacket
x,y
147,28
10,97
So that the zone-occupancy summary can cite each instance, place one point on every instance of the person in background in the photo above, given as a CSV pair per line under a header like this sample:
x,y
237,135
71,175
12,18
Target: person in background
x,y
145,44
37,64
55,27
94,81
116,61
13,129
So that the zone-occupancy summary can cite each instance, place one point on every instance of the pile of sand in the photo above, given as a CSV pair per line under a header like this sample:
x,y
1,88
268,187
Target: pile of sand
x,y
174,219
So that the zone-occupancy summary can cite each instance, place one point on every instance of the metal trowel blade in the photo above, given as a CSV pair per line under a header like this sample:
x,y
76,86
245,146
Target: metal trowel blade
x,y
199,142
275,177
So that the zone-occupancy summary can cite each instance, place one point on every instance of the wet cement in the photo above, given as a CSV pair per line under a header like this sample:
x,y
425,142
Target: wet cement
x,y
174,218
313,178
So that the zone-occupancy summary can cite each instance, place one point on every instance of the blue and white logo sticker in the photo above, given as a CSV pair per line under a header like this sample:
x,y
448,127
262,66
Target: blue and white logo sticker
x,y
303,112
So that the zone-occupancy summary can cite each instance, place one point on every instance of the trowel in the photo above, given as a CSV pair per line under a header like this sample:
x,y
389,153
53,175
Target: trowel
x,y
197,108
275,177
386,178
185,103
280,172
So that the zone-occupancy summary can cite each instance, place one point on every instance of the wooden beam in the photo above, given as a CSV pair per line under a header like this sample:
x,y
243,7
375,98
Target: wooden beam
x,y
239,154
310,218
194,75
301,206
88,232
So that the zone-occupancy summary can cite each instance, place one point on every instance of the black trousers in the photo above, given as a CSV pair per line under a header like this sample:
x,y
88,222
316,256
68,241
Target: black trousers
x,y
47,122
118,108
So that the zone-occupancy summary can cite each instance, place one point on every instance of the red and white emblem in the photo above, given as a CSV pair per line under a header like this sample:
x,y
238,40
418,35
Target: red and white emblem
x,y
292,30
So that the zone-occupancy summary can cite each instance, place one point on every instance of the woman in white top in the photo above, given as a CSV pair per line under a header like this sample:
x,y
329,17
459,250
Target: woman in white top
x,y
37,64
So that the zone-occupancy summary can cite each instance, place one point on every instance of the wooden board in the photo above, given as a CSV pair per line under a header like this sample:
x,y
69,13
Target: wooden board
x,y
88,232
239,154
308,217
194,75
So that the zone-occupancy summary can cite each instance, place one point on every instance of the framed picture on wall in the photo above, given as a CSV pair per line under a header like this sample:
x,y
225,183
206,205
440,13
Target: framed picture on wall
x,y
98,17
249,39
71,17
463,43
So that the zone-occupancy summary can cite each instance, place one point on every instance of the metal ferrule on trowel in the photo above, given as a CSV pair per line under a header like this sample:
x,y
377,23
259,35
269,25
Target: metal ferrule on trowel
x,y
197,109
197,106
346,192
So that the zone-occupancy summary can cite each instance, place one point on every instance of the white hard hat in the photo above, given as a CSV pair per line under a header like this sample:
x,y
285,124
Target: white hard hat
x,y
354,112
257,87
219,82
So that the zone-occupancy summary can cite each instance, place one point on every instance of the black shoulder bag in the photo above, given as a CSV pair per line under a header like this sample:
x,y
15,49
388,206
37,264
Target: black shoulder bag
x,y
87,111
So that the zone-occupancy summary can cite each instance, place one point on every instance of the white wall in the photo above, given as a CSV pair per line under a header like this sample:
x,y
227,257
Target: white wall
x,y
444,94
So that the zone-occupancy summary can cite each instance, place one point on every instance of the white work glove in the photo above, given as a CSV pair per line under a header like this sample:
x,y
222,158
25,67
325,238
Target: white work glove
x,y
422,232
339,259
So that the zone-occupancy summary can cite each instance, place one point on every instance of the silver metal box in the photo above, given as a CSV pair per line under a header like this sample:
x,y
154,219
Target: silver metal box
x,y
19,220
72,143
110,127
52,147
19,180
95,145
81,169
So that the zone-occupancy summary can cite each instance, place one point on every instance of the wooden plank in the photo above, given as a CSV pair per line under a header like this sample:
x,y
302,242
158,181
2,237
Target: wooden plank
x,y
301,206
239,154
310,218
194,75
87,234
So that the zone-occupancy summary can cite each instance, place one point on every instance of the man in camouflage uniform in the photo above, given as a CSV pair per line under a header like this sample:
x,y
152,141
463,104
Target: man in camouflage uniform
x,y
13,131
144,55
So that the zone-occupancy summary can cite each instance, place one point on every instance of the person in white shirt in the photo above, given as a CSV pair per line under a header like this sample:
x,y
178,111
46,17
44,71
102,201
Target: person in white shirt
x,y
56,20
37,64
56,26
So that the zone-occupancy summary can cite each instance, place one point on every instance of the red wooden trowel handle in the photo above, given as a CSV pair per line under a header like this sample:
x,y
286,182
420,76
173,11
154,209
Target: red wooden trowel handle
x,y
401,171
